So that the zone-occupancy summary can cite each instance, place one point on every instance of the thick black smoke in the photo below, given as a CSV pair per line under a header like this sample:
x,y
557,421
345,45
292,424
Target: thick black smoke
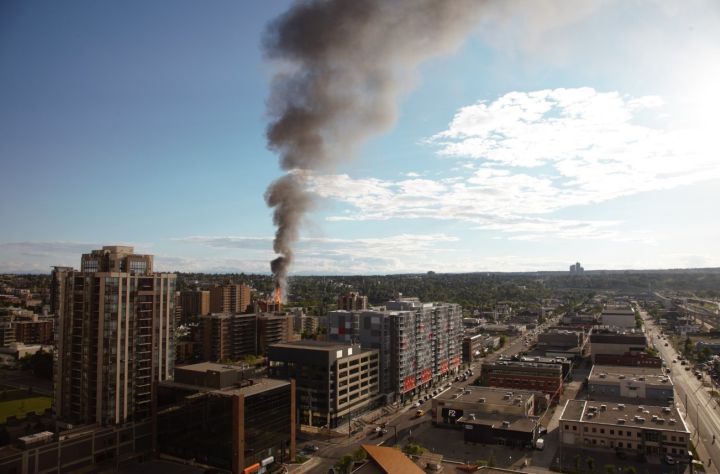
x,y
344,62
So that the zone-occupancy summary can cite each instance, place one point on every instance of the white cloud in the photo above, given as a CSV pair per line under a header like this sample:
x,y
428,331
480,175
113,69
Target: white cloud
x,y
538,153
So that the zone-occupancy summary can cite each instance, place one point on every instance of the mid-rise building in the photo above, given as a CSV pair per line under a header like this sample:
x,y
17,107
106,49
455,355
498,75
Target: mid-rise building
x,y
234,298
227,336
635,429
273,328
212,414
34,330
7,333
533,376
474,346
352,301
194,303
334,382
115,336
419,343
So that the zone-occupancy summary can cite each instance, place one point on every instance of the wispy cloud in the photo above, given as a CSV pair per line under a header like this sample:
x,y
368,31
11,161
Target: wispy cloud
x,y
537,153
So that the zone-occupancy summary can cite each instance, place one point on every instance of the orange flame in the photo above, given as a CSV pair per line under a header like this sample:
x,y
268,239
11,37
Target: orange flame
x,y
278,296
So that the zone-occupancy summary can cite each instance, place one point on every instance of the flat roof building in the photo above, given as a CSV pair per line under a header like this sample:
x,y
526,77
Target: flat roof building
x,y
533,376
335,381
215,416
641,429
610,382
452,404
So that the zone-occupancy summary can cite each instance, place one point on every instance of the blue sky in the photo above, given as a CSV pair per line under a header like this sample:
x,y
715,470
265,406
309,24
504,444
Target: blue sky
x,y
558,131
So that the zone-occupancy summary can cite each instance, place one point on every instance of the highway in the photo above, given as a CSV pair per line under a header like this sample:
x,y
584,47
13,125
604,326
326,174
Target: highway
x,y
702,412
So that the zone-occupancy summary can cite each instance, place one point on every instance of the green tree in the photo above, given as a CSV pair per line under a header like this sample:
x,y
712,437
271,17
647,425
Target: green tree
x,y
359,455
503,340
345,464
590,464
578,462
630,470
610,468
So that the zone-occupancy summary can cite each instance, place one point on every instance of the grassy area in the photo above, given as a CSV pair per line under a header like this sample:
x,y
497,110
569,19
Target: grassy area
x,y
20,408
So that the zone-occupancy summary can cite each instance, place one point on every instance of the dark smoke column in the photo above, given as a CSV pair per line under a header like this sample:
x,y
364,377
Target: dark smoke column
x,y
343,65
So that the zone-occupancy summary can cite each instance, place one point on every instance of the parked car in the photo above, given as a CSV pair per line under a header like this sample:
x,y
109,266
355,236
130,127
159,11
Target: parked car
x,y
311,448
669,460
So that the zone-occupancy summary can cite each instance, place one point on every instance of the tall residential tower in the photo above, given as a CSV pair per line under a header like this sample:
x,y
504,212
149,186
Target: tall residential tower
x,y
115,336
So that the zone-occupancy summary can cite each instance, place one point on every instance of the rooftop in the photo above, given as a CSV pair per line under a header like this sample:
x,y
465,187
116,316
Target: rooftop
x,y
205,366
615,373
391,460
517,364
256,386
621,414
311,344
491,395
500,421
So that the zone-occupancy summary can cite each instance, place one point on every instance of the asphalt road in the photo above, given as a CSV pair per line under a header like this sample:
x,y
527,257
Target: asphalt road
x,y
702,411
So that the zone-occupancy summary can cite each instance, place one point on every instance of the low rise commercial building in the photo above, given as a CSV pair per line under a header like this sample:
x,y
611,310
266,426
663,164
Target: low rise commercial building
x,y
474,346
451,405
641,429
562,342
712,346
533,376
616,341
213,415
635,360
508,430
618,316
646,383
335,382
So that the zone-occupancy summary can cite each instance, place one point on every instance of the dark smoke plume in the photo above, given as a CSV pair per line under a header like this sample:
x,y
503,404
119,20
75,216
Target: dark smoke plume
x,y
344,63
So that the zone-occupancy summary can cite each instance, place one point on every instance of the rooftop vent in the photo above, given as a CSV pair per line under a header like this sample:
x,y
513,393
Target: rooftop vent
x,y
621,406
603,407
641,408
642,379
506,424
666,410
621,421
621,377
672,421
482,400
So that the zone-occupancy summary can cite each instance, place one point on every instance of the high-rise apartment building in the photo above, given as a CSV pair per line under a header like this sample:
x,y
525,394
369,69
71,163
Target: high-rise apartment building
x,y
352,301
233,298
228,336
115,336
419,343
194,303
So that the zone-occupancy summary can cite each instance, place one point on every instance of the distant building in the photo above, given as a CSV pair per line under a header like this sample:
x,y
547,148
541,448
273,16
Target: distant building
x,y
617,427
352,301
194,303
34,330
577,268
233,298
334,382
213,415
618,316
628,360
116,336
227,336
7,333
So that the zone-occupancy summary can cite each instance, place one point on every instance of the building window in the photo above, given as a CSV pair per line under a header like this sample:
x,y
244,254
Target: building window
x,y
619,432
629,445
620,445
567,427
612,432
574,428
585,429
594,441
681,439
594,430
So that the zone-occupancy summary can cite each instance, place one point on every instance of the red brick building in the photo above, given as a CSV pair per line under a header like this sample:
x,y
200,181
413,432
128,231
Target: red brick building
x,y
536,376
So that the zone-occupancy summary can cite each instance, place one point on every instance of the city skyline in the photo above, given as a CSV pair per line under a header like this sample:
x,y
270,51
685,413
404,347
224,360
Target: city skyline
x,y
554,134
